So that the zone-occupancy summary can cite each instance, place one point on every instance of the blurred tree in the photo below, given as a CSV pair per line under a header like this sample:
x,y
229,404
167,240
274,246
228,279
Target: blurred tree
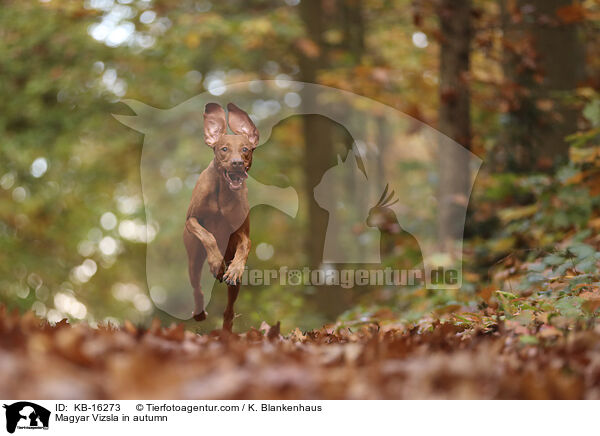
x,y
543,64
317,134
454,116
320,50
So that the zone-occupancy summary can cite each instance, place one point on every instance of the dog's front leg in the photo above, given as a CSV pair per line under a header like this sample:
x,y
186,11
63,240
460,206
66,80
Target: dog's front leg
x,y
213,254
233,275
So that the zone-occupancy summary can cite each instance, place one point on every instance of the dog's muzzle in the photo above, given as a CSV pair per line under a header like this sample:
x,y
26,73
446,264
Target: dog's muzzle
x,y
235,178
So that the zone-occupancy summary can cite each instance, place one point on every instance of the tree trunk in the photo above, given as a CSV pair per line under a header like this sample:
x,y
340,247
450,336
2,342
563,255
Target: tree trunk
x,y
319,132
318,144
454,117
543,62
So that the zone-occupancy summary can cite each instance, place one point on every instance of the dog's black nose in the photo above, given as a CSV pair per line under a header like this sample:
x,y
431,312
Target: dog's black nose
x,y
237,163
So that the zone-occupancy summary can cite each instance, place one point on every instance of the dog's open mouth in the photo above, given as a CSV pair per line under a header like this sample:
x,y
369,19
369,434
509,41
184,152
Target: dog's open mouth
x,y
235,178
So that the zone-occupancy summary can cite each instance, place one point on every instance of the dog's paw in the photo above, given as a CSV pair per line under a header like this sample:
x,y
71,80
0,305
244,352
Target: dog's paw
x,y
217,268
233,275
201,316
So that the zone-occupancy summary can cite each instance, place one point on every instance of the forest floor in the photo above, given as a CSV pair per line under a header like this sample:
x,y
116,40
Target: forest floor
x,y
431,359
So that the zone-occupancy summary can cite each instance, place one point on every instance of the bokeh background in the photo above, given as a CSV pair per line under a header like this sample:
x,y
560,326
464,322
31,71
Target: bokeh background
x,y
514,81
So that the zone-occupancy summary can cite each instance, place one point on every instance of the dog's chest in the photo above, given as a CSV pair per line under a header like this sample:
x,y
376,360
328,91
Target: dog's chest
x,y
233,210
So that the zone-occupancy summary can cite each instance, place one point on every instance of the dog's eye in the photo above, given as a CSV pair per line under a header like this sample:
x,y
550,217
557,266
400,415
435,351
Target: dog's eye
x,y
245,149
223,148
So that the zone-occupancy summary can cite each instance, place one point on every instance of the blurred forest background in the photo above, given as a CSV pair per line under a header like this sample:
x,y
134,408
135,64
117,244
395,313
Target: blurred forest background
x,y
515,81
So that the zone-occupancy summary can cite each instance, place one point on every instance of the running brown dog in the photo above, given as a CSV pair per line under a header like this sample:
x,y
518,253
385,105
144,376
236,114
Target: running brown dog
x,y
217,220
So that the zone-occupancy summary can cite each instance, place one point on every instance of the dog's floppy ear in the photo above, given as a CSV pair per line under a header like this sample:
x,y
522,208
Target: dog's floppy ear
x,y
241,124
215,124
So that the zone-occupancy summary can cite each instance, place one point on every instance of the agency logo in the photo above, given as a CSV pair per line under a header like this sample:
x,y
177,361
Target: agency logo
x,y
26,415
